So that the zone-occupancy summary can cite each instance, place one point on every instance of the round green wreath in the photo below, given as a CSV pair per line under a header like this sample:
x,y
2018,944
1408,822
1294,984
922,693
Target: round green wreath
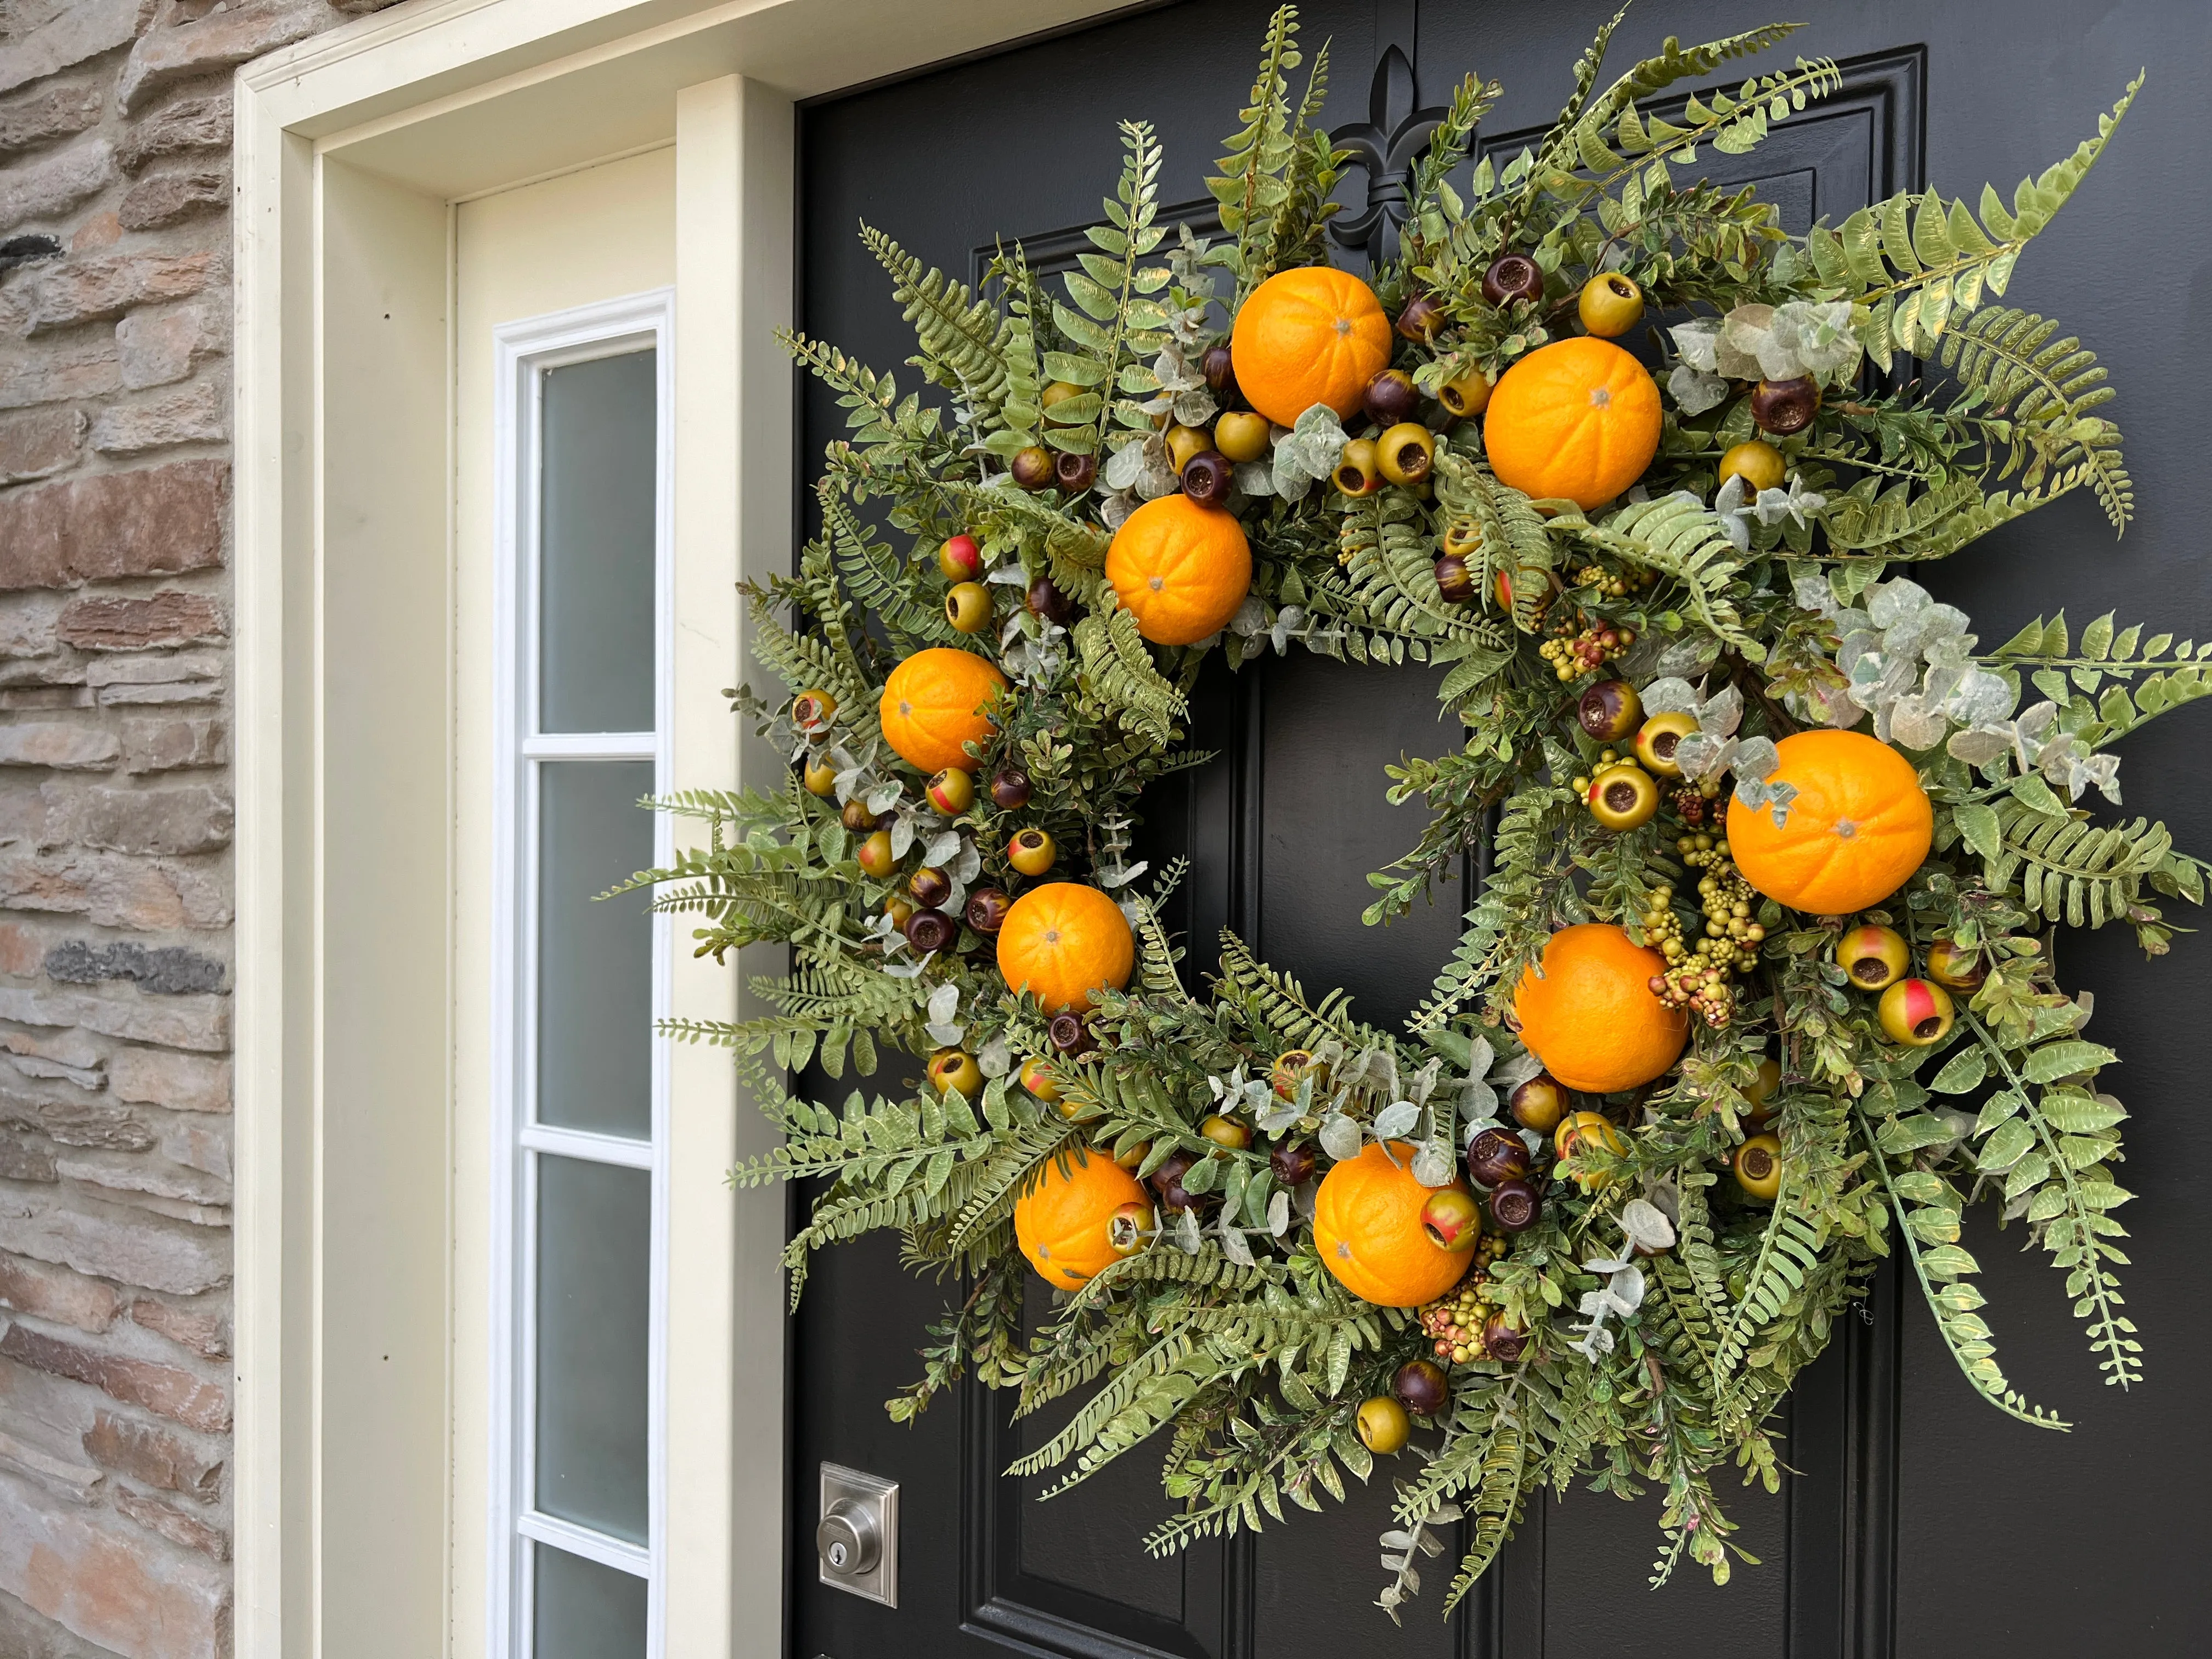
x,y
1650,1319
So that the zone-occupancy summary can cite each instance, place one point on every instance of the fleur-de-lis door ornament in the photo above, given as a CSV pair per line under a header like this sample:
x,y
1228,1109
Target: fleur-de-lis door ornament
x,y
1385,147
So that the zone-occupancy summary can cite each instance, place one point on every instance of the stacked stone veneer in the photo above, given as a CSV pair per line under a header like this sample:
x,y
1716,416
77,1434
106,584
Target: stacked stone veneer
x,y
116,1385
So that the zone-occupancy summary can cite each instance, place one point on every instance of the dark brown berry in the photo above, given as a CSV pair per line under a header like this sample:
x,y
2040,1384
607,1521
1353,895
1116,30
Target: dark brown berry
x,y
1220,371
1500,1340
930,886
987,909
1515,1206
1391,397
1046,600
1421,318
1033,469
1497,1155
1207,478
1513,276
1069,1036
1167,1181
931,930
857,818
1010,788
1074,473
1455,580
1421,1387
1292,1161
1783,407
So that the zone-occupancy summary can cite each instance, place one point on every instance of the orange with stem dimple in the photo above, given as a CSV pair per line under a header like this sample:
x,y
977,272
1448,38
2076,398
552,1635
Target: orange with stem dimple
x,y
1577,420
1180,569
1314,335
1858,828
1062,941
1368,1231
935,703
1591,1016
1064,1223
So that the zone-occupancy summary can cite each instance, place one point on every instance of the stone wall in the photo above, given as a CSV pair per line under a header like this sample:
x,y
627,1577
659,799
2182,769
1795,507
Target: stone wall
x,y
115,817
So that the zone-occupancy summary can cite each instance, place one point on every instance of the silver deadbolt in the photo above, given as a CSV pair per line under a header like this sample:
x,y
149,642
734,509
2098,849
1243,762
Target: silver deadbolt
x,y
847,1540
856,1541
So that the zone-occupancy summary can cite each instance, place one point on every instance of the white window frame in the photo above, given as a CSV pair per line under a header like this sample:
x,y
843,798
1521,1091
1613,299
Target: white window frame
x,y
524,351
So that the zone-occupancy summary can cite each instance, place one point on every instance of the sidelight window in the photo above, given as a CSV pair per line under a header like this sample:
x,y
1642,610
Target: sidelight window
x,y
580,1310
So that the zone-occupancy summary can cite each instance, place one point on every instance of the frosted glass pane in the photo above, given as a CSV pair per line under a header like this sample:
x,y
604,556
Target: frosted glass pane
x,y
594,1224
594,955
585,1611
595,611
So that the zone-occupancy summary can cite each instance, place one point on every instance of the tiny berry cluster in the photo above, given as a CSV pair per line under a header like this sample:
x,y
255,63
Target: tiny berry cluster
x,y
1454,1320
1612,583
1699,975
1573,653
1699,804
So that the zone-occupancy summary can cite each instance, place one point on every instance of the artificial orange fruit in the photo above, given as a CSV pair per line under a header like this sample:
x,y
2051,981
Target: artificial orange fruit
x,y
934,703
1367,1228
1578,419
1591,1017
1180,569
1314,335
1859,827
1063,1223
1062,941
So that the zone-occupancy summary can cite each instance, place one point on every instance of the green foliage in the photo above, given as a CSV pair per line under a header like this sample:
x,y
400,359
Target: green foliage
x,y
1915,261
1217,1334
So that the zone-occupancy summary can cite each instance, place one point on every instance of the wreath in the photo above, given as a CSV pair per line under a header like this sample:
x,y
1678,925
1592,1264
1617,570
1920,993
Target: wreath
x,y
1759,989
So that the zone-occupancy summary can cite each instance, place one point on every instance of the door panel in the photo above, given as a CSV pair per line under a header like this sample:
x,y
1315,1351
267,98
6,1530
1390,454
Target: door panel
x,y
1892,1536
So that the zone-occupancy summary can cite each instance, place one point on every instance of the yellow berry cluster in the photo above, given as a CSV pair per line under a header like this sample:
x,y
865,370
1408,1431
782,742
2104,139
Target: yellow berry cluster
x,y
1573,653
1699,975
1454,1320
1612,583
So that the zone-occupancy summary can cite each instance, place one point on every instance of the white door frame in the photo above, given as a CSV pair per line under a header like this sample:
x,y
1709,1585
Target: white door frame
x,y
351,150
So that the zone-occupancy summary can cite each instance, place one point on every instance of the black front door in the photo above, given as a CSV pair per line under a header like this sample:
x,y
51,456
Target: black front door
x,y
1916,1522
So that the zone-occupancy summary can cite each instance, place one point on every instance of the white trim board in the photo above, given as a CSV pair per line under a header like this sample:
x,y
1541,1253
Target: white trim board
x,y
349,151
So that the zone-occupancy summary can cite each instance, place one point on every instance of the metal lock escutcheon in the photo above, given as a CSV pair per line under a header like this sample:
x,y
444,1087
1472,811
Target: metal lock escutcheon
x,y
856,1539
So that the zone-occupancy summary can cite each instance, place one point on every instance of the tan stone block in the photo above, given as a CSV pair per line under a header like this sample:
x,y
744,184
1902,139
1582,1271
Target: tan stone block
x,y
179,818
87,291
200,1023
47,189
199,414
57,1294
174,1524
75,1123
200,1143
93,1572
161,1077
160,345
188,124
38,443
50,373
151,1455
81,30
165,1390
118,1173
54,744
219,40
205,1331
21,949
168,197
53,112
28,624
66,1474
153,521
108,1242
25,1160
65,1048
113,622
169,745
114,891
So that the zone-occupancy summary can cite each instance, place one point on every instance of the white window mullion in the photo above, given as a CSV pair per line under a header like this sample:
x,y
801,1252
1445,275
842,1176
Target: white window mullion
x,y
593,1128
